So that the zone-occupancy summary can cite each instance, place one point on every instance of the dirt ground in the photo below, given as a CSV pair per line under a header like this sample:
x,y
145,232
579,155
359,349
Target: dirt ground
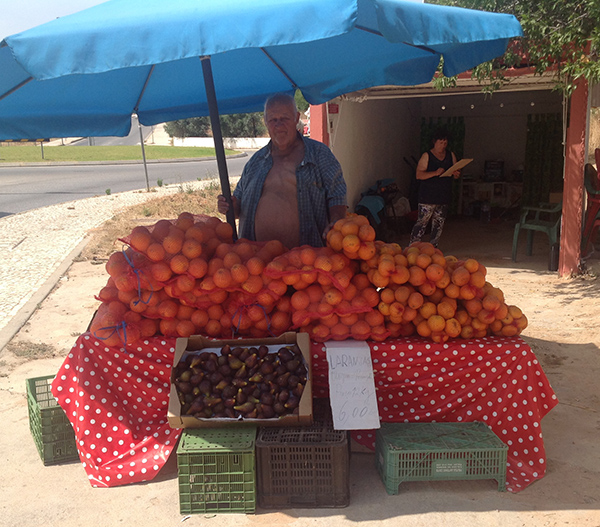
x,y
563,331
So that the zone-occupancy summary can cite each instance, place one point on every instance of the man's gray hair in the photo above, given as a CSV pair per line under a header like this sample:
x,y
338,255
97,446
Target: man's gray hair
x,y
280,98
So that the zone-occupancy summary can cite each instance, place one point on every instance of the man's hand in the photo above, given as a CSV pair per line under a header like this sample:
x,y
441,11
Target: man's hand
x,y
223,205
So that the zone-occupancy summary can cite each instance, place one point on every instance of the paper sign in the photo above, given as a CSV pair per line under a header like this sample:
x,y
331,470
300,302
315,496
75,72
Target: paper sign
x,y
352,386
456,166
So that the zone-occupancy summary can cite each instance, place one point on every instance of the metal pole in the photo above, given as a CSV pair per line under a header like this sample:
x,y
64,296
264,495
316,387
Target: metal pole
x,y
144,155
215,124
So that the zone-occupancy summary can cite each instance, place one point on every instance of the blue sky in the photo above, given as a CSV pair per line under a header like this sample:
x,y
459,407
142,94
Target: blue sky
x,y
16,16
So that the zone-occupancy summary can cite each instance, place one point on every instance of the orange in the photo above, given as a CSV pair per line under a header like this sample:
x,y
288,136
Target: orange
x,y
210,246
349,319
140,238
426,248
467,332
417,275
436,296
438,259
349,227
314,292
222,278
116,264
453,328
224,232
377,279
361,281
366,233
423,329
323,263
452,291
185,283
462,317
278,287
485,316
350,243
477,279
324,309
473,306
374,318
253,285
330,320
184,312
427,288
215,312
509,331
446,310
339,332
428,309
185,328
197,232
515,312
172,244
320,332
415,300
460,276
255,265
191,248
161,271
434,272
387,295
370,295
214,265
491,303
402,293
386,266
168,309
148,327
471,265
280,321
409,314
213,328
366,251
349,292
423,260
161,229
179,264
333,296
239,273
300,318
155,252
396,310
444,281
436,323
184,221
360,330
198,267
384,309
199,318
300,300
338,262
308,255
467,292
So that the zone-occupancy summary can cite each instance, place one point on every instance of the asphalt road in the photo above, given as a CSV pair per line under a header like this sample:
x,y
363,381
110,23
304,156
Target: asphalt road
x,y
31,187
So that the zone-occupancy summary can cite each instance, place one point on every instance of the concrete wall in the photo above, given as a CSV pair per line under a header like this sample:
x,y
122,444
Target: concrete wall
x,y
371,138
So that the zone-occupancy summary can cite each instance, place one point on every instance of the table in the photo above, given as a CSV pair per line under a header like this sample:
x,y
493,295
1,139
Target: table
x,y
117,398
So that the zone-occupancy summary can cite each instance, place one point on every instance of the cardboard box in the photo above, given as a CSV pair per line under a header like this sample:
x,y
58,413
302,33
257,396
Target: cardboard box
x,y
198,343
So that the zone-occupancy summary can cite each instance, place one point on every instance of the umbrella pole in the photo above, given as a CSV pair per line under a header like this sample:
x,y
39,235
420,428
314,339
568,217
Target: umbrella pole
x,y
144,155
215,124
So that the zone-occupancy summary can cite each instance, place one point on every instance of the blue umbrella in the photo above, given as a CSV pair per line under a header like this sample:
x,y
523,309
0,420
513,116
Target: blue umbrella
x,y
87,73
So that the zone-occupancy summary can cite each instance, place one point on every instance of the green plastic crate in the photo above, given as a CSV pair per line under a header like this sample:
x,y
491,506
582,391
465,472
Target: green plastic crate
x,y
216,470
438,451
51,430
304,466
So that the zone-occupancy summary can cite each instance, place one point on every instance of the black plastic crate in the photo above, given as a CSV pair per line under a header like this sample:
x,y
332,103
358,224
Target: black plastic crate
x,y
51,430
303,467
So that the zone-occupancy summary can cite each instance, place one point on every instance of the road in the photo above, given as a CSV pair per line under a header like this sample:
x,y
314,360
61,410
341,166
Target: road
x,y
31,187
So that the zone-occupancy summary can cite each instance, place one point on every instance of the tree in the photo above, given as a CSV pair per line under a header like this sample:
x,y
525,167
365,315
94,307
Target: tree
x,y
560,35
193,127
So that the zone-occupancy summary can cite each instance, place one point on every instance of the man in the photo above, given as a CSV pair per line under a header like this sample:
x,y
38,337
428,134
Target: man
x,y
291,190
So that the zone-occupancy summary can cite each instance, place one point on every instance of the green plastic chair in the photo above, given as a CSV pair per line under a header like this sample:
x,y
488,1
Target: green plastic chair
x,y
545,218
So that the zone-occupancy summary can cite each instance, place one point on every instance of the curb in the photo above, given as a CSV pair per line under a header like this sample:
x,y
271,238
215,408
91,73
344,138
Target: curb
x,y
28,309
123,162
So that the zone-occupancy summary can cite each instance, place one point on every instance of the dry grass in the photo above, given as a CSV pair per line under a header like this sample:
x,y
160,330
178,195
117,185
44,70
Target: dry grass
x,y
31,350
105,240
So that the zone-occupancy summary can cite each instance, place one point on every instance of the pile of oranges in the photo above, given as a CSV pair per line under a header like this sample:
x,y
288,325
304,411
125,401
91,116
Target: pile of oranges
x,y
187,276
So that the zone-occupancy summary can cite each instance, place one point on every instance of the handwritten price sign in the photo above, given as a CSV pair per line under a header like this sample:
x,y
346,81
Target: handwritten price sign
x,y
352,386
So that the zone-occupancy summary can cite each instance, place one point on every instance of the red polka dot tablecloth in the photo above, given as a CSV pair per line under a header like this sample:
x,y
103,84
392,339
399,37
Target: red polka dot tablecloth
x,y
495,380
116,399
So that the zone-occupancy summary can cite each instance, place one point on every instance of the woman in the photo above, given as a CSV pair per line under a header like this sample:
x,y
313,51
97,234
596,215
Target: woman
x,y
435,191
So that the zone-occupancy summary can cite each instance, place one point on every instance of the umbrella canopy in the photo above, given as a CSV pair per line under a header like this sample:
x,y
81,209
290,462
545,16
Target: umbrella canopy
x,y
85,74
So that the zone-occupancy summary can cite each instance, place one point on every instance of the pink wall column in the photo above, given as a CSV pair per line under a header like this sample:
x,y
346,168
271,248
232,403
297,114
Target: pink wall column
x,y
318,123
570,245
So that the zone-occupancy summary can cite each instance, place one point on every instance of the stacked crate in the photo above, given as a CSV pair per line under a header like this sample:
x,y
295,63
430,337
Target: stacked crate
x,y
51,430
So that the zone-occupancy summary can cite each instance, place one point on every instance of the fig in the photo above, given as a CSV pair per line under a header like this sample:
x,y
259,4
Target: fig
x,y
235,363
226,350
186,376
266,368
196,379
245,407
184,387
262,351
267,411
285,355
292,365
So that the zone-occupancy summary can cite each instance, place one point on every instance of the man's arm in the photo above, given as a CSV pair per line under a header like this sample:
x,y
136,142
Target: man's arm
x,y
422,168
